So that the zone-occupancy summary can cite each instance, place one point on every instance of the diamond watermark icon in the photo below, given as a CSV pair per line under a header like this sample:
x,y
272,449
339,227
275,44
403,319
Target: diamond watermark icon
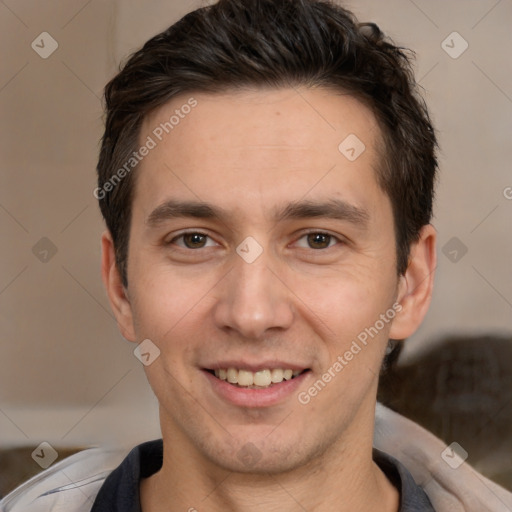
x,y
44,45
249,250
454,249
352,147
147,352
44,250
454,455
45,455
249,454
454,45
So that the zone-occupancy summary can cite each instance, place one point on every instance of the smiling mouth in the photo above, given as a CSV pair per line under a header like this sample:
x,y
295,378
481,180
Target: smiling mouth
x,y
256,380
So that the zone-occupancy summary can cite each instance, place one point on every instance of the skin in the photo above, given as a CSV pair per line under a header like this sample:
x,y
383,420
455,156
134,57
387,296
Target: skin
x,y
301,301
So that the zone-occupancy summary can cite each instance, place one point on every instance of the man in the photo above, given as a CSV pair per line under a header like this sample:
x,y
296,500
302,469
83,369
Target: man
x,y
266,176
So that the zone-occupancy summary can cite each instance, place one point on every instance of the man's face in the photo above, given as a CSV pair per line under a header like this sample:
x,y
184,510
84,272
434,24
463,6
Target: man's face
x,y
211,301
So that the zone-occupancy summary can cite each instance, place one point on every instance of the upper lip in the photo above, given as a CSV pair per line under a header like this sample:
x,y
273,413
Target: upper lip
x,y
255,367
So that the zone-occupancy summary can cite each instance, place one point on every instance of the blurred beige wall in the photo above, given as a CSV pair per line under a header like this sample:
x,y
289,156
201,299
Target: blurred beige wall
x,y
66,375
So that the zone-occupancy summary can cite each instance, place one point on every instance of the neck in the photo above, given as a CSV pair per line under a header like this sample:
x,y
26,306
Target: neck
x,y
343,478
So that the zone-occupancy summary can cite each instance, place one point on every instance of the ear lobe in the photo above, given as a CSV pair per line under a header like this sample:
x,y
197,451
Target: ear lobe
x,y
416,285
117,293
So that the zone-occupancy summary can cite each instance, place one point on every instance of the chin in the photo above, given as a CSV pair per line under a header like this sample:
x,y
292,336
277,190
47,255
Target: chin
x,y
258,455
262,464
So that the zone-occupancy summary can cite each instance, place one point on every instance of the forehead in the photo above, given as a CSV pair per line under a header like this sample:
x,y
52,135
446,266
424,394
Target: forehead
x,y
255,146
279,116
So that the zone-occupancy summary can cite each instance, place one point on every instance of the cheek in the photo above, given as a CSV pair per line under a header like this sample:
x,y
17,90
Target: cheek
x,y
346,312
166,299
349,297
170,299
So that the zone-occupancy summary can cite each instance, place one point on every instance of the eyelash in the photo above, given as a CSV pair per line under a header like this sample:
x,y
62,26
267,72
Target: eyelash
x,y
315,232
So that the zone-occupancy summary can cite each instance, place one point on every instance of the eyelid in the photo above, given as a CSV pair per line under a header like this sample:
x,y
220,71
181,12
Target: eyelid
x,y
339,238
302,235
189,232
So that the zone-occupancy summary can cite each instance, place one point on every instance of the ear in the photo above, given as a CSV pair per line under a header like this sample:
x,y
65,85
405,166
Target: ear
x,y
415,286
117,293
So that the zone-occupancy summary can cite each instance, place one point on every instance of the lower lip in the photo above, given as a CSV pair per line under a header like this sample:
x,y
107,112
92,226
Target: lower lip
x,y
246,397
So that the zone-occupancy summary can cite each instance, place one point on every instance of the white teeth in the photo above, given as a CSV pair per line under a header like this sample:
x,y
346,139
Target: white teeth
x,y
262,378
245,378
232,375
277,375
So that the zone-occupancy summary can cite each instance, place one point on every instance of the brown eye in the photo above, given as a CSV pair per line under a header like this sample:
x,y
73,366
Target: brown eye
x,y
194,240
319,240
191,240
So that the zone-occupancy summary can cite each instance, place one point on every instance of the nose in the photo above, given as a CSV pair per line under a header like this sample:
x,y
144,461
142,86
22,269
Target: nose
x,y
253,299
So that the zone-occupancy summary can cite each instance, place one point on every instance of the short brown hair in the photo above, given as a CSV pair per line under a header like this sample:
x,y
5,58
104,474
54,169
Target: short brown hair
x,y
276,43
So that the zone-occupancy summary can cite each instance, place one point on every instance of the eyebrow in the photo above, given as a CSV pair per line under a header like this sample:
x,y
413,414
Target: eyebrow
x,y
332,209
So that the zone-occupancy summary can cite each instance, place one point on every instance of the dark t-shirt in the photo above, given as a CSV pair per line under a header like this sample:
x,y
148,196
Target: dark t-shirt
x,y
120,491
